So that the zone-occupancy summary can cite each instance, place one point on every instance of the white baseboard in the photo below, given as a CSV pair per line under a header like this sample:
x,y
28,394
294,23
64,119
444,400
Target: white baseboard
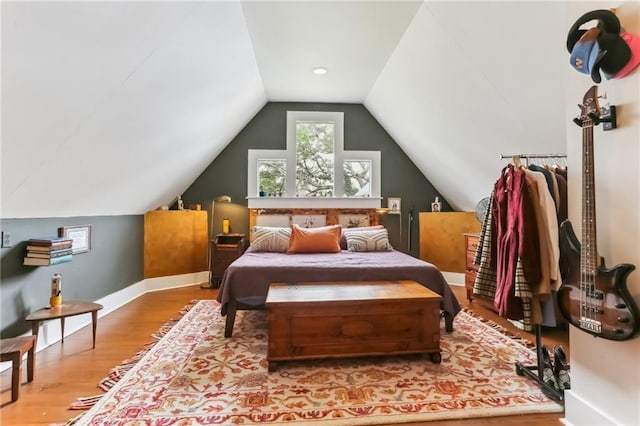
x,y
581,413
50,331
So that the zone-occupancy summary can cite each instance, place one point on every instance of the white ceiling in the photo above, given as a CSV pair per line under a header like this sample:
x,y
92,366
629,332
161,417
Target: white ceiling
x,y
353,40
115,108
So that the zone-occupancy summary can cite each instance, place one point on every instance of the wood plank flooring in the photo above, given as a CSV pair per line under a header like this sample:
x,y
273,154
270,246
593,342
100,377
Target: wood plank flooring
x,y
66,371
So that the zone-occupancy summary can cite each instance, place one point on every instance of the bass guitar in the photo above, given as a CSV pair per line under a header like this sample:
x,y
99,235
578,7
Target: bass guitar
x,y
593,298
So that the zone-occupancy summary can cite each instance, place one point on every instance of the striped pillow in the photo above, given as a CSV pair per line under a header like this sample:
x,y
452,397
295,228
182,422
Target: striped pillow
x,y
343,239
375,240
273,239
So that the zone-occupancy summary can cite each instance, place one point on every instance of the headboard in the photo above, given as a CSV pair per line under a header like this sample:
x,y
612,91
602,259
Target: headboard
x,y
312,217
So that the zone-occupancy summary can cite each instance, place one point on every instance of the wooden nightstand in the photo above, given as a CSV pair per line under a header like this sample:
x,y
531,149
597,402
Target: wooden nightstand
x,y
224,249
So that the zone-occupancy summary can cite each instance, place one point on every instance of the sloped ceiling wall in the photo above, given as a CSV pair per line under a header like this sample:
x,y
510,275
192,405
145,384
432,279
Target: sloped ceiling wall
x,y
115,108
470,81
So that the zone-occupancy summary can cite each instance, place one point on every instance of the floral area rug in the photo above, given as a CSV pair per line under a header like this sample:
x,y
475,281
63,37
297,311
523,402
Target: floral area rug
x,y
196,376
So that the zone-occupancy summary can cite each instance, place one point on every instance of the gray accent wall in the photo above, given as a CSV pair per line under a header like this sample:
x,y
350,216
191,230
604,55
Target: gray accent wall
x,y
114,262
227,175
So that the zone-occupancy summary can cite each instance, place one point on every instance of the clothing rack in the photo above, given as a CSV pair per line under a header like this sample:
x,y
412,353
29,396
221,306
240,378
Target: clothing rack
x,y
526,157
530,370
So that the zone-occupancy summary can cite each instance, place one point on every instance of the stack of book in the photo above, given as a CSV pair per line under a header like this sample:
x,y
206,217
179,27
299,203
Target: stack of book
x,y
48,251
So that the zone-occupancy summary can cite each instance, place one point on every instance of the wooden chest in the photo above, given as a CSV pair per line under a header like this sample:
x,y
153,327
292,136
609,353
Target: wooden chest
x,y
346,319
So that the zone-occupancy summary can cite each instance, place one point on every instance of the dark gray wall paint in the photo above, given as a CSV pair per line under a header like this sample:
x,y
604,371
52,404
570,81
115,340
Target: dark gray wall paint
x,y
267,130
115,261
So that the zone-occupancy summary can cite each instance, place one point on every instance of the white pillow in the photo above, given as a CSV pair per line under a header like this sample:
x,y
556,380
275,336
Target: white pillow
x,y
374,240
273,239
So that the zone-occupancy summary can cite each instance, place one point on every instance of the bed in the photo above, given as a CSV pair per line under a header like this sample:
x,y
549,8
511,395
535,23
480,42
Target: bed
x,y
246,281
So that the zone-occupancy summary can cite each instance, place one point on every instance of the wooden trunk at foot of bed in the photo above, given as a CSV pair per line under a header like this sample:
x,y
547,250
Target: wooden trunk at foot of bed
x,y
349,319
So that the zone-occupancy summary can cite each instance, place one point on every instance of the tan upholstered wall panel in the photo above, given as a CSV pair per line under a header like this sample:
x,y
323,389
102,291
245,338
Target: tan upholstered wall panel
x,y
175,242
332,215
442,239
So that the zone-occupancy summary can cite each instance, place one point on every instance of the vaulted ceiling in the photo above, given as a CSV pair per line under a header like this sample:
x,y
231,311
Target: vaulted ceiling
x,y
113,108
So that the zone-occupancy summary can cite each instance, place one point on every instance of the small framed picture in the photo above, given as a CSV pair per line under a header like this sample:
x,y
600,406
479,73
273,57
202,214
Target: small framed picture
x,y
436,206
80,235
393,204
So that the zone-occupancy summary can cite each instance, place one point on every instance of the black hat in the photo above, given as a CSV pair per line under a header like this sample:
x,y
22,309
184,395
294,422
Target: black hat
x,y
614,53
607,22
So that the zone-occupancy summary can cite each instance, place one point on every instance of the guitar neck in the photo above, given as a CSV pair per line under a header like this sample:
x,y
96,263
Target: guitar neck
x,y
589,256
593,298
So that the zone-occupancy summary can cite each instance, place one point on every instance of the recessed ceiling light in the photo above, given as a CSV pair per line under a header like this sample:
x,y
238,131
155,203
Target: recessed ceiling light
x,y
320,70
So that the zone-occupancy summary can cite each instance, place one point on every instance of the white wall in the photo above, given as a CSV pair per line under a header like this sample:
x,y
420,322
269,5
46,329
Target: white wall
x,y
605,374
470,81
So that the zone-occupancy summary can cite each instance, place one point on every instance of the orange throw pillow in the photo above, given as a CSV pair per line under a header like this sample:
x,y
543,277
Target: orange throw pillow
x,y
325,239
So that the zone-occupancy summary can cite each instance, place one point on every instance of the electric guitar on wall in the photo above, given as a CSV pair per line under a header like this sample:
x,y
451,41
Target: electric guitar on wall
x,y
592,297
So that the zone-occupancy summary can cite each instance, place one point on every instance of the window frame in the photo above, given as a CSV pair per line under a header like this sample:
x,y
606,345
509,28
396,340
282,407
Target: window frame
x,y
289,199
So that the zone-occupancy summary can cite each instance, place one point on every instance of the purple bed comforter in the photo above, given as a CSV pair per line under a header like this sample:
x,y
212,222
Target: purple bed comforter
x,y
246,281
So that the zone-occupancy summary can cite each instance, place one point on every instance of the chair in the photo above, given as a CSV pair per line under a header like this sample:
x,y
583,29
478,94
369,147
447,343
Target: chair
x,y
12,349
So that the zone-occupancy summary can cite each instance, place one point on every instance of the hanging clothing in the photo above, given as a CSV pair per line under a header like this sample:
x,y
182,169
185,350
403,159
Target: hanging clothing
x,y
548,177
561,174
516,238
508,193
548,233
518,250
562,189
485,281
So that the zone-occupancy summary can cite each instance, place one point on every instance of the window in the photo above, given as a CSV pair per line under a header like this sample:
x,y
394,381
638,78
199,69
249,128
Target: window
x,y
315,158
272,177
357,178
314,166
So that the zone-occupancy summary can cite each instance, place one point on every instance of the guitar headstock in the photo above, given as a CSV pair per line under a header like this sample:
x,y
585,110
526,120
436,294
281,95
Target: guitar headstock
x,y
590,108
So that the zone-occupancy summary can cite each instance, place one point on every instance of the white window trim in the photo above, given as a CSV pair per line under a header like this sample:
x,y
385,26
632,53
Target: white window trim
x,y
265,154
373,157
340,155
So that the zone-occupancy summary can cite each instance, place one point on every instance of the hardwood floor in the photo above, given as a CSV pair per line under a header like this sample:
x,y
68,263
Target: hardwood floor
x,y
67,371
